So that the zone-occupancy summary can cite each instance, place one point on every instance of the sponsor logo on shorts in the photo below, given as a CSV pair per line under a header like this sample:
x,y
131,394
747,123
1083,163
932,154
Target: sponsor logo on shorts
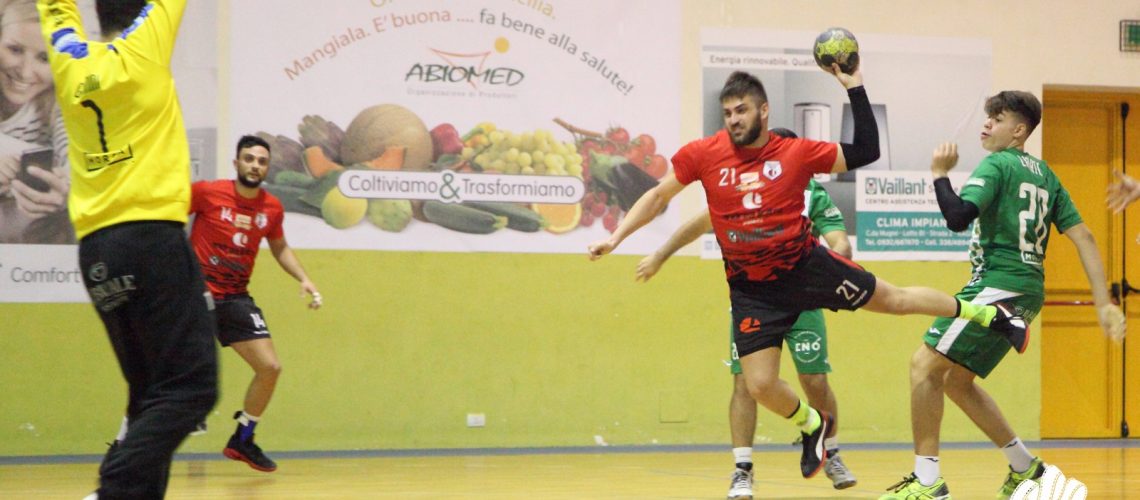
x,y
806,346
749,325
98,272
111,293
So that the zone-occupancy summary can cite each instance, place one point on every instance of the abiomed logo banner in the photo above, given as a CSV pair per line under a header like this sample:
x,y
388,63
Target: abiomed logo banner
x,y
454,187
441,118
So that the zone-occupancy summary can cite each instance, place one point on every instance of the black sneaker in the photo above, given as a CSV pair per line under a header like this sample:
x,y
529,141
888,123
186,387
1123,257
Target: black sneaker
x,y
1012,326
248,452
814,452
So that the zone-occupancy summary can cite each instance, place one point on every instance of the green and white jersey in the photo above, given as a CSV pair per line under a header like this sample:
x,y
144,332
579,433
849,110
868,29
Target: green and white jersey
x,y
1018,197
824,215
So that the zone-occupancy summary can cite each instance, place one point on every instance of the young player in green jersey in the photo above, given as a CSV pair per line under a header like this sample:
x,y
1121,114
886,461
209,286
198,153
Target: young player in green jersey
x,y
1014,199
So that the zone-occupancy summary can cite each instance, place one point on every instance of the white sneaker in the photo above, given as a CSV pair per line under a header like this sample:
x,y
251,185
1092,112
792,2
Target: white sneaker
x,y
199,429
837,472
741,488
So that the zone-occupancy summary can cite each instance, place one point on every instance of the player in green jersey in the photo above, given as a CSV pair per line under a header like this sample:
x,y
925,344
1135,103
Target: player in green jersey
x,y
1013,198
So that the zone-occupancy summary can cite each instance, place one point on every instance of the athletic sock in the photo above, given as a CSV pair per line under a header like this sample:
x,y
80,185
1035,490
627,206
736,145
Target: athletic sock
x,y
981,314
806,418
831,444
926,469
1018,455
122,431
246,424
743,457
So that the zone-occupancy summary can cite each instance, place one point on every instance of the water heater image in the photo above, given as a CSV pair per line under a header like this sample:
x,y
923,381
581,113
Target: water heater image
x,y
812,120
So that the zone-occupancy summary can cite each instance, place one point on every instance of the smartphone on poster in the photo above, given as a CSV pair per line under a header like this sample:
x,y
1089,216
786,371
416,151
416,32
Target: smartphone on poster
x,y
41,158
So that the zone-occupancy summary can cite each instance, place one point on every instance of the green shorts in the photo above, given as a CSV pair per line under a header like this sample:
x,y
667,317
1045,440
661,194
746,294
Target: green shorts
x,y
974,346
807,341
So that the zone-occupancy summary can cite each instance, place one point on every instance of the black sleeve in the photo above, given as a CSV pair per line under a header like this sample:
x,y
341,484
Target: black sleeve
x,y
864,148
958,212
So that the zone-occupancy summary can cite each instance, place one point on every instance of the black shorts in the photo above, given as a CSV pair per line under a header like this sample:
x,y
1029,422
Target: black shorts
x,y
763,311
239,319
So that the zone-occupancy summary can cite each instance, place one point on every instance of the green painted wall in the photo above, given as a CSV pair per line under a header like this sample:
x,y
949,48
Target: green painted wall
x,y
554,349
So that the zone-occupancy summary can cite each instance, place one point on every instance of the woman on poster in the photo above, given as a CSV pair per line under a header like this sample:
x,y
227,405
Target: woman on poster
x,y
34,180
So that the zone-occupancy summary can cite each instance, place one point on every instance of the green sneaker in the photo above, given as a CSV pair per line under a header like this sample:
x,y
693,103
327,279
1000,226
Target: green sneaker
x,y
910,489
1035,470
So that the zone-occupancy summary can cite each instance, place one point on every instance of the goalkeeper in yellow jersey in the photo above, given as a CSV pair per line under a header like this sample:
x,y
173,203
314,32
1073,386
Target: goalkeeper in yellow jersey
x,y
130,195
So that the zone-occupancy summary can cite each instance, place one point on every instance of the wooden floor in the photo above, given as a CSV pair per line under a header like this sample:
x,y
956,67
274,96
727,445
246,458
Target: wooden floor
x,y
975,472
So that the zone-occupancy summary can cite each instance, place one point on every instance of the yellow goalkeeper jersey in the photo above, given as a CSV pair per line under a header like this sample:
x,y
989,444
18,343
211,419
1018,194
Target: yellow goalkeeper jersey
x,y
127,144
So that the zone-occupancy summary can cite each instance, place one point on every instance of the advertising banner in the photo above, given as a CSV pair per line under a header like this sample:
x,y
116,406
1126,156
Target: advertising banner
x,y
897,218
496,126
39,260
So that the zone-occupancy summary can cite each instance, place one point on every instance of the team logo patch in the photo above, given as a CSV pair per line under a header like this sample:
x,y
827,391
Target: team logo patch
x,y
261,220
773,169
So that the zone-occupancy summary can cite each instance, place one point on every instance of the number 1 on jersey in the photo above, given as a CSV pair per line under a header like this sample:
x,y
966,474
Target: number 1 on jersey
x,y
88,103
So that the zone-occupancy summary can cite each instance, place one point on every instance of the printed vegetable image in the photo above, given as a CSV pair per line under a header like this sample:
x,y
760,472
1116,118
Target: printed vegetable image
x,y
390,215
488,148
286,155
618,170
445,140
341,211
616,167
391,159
319,163
560,218
463,218
384,125
316,131
518,217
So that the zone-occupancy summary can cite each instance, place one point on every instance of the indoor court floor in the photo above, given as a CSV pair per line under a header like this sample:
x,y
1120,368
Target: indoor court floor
x,y
1110,469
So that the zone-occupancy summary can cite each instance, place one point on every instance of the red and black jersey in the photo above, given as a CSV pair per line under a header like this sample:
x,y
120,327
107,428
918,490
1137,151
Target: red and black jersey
x,y
756,198
227,232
